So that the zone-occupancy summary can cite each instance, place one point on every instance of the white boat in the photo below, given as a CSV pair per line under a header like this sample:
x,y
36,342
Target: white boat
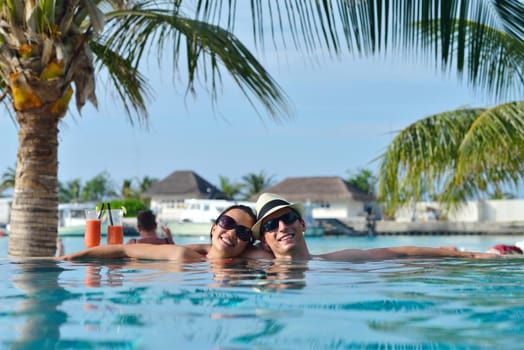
x,y
194,217
72,221
199,229
72,218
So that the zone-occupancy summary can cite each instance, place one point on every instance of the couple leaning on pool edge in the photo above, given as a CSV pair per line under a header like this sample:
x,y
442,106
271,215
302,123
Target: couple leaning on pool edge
x,y
279,226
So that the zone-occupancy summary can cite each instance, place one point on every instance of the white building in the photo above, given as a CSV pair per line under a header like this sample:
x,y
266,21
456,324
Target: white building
x,y
330,197
168,195
496,210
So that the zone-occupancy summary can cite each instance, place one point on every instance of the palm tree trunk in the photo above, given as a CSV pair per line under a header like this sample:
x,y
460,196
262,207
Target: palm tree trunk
x,y
34,212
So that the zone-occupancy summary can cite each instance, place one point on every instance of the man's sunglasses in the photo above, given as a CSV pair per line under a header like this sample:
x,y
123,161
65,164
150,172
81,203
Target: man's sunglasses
x,y
287,218
228,223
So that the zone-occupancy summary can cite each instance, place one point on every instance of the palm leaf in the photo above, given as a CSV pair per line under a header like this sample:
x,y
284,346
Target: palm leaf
x,y
130,85
454,156
422,157
490,154
480,40
208,48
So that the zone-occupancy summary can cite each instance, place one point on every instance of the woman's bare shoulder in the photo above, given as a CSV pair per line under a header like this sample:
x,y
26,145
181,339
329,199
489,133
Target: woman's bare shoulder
x,y
255,252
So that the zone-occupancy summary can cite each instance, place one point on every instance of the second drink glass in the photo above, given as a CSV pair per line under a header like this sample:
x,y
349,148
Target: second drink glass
x,y
115,226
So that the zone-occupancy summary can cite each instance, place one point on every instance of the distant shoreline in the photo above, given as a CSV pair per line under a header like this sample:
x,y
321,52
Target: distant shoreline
x,y
383,227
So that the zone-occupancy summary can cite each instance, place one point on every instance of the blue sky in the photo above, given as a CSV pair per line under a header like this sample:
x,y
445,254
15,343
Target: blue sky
x,y
346,111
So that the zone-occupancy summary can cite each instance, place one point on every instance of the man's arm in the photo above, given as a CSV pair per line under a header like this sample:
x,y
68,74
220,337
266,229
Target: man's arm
x,y
400,252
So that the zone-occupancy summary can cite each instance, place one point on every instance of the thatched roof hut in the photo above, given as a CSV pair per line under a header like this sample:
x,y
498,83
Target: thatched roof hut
x,y
184,184
318,189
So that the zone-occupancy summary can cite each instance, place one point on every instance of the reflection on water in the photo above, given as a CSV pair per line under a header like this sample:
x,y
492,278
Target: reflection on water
x,y
280,275
272,305
260,275
38,306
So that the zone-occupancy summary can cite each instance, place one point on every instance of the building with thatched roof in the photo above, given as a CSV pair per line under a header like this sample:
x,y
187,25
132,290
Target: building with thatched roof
x,y
169,194
328,196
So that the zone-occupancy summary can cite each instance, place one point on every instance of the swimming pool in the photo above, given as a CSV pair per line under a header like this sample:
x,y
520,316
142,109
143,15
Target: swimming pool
x,y
402,304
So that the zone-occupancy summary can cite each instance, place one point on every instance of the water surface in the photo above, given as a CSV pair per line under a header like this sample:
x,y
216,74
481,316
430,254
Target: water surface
x,y
401,304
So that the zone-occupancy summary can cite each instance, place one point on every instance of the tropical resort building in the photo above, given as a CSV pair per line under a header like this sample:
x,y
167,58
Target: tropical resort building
x,y
168,195
328,198
338,206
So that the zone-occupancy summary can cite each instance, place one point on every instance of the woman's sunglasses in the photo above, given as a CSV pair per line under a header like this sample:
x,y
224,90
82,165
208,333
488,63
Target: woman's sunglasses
x,y
287,218
228,223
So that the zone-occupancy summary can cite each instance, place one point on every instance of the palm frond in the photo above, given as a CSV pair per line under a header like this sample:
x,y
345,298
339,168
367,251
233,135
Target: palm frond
x,y
491,153
131,86
312,25
481,40
512,17
478,39
422,157
454,156
207,47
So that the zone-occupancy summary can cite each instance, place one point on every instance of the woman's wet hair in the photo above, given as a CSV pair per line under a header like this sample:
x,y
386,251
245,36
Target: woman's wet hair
x,y
246,209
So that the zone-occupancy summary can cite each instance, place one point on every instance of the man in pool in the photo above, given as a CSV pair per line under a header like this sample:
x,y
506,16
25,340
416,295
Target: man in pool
x,y
147,226
280,228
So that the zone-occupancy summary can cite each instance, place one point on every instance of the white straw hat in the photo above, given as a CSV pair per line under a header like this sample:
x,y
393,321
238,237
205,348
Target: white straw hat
x,y
267,204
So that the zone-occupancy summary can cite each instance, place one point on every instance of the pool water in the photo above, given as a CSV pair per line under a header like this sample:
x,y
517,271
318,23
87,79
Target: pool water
x,y
400,304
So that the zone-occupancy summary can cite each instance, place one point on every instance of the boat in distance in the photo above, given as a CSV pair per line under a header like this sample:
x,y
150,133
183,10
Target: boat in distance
x,y
195,217
72,220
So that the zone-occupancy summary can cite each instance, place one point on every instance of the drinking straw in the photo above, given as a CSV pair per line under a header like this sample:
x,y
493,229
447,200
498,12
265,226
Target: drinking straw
x,y
110,216
101,210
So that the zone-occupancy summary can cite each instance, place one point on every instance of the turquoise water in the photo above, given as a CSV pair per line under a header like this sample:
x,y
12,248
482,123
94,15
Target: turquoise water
x,y
403,304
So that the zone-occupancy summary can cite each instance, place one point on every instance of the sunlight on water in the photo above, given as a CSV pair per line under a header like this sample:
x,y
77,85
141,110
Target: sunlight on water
x,y
403,304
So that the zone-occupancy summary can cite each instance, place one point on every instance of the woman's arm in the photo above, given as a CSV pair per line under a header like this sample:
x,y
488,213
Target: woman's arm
x,y
136,251
100,252
200,248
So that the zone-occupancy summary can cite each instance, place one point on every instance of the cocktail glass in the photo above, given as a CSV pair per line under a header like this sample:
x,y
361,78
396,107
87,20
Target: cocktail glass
x,y
115,226
92,233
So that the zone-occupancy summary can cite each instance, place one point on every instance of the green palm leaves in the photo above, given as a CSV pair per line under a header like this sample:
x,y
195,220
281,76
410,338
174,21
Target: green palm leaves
x,y
454,156
481,40
206,49
464,154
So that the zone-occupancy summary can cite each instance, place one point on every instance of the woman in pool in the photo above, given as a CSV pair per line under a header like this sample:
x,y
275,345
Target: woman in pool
x,y
231,237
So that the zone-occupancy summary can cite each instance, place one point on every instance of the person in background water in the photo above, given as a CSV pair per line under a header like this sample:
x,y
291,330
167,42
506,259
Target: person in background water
x,y
231,237
147,228
505,249
280,228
